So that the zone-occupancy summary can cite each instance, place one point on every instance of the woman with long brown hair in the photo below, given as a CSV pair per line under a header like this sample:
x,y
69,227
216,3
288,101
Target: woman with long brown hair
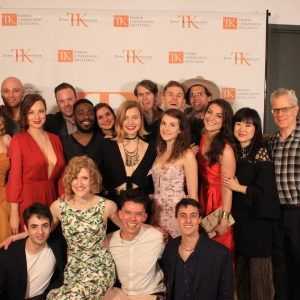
x,y
37,161
175,164
216,159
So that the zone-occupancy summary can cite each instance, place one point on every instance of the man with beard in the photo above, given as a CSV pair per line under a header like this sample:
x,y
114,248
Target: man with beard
x,y
62,123
12,92
85,141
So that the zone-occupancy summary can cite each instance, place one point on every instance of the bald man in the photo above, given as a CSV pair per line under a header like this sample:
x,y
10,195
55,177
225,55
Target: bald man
x,y
12,92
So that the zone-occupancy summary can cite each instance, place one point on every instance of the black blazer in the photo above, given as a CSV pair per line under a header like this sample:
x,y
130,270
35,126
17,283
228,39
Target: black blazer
x,y
55,123
13,268
214,275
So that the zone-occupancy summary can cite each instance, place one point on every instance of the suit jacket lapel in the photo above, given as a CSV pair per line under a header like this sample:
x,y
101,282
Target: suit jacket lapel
x,y
22,266
201,262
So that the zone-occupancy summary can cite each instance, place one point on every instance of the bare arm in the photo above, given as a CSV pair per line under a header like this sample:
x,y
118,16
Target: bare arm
x,y
228,164
191,174
55,211
110,212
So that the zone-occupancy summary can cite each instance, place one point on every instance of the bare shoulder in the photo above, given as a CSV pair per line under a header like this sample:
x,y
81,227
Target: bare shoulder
x,y
189,154
6,139
228,150
55,205
109,204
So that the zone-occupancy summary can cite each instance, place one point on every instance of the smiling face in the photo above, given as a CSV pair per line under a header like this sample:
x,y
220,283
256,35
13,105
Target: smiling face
x,y
65,100
173,97
132,122
198,99
38,230
244,132
84,117
36,115
132,216
188,220
213,118
105,118
12,92
284,112
169,128
81,184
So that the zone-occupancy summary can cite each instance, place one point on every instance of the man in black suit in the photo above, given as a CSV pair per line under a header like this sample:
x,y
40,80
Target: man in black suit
x,y
32,266
195,266
62,123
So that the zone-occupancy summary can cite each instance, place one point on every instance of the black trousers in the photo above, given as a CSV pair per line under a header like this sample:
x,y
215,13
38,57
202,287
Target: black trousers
x,y
286,255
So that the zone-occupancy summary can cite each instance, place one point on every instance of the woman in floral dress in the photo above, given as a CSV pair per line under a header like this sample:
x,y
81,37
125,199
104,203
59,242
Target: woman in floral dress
x,y
175,164
90,270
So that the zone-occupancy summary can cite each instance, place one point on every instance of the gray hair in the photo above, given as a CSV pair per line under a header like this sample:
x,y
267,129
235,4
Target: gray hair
x,y
285,92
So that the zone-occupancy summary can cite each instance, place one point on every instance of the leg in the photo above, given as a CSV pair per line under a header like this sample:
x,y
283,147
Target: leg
x,y
242,278
261,278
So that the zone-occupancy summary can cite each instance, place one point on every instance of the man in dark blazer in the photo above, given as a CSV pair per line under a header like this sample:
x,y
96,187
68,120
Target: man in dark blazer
x,y
34,265
195,266
62,123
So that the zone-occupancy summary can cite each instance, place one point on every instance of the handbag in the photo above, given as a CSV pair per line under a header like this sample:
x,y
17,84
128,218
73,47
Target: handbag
x,y
213,219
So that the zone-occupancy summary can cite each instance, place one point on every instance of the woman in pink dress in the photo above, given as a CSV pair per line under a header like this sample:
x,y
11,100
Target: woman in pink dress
x,y
37,162
216,159
175,164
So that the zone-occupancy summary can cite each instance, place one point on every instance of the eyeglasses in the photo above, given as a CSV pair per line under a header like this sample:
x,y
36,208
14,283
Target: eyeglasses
x,y
199,94
284,110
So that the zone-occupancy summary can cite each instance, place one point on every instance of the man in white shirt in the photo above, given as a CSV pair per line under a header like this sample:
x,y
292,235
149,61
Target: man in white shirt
x,y
136,249
32,266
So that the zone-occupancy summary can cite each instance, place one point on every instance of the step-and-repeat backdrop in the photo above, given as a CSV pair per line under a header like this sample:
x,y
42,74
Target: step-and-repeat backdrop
x,y
105,53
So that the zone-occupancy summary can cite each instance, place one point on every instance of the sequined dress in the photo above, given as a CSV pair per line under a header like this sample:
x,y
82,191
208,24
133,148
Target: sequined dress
x,y
90,269
168,191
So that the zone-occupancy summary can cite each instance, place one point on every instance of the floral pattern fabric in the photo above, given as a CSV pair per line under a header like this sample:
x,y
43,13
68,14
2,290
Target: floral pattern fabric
x,y
168,191
90,269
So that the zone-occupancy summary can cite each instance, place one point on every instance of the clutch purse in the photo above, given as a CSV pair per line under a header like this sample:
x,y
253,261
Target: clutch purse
x,y
212,220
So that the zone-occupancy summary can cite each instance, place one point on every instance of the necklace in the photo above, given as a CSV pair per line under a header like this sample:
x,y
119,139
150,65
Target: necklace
x,y
130,138
131,157
187,249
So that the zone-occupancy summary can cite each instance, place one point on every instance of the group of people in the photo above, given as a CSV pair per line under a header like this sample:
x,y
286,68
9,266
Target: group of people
x,y
162,168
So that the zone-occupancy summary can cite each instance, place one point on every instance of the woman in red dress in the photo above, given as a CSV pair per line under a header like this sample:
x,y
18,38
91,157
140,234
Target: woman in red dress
x,y
37,161
216,160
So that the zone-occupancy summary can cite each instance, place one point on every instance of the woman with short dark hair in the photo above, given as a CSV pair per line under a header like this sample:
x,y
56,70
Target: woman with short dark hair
x,y
255,208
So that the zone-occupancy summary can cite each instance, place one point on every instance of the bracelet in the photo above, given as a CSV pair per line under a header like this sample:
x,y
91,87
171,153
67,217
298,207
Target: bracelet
x,y
225,215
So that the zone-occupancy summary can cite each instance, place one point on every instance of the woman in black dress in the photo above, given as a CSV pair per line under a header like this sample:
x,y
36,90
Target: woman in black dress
x,y
127,159
255,208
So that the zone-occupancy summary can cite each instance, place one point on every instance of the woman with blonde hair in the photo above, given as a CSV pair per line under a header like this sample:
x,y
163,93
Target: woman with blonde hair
x,y
4,167
90,270
127,159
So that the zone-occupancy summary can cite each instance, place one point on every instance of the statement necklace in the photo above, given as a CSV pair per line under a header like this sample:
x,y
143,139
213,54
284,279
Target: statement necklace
x,y
131,157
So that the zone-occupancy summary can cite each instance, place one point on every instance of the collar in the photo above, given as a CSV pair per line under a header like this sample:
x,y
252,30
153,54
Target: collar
x,y
136,239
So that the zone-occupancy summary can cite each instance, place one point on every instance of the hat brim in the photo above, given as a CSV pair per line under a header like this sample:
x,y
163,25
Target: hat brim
x,y
211,86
